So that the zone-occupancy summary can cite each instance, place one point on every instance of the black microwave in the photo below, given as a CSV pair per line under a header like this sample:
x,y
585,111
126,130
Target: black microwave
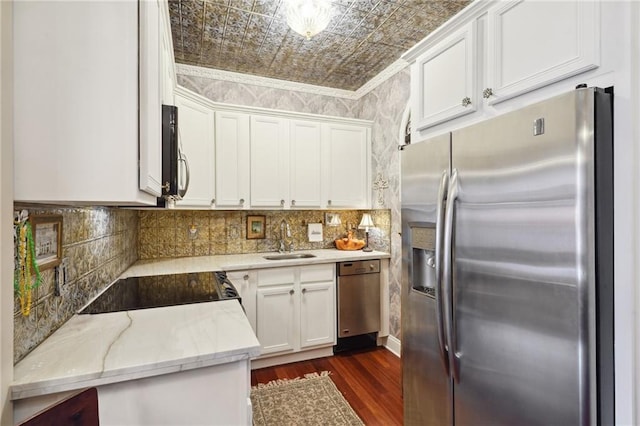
x,y
175,166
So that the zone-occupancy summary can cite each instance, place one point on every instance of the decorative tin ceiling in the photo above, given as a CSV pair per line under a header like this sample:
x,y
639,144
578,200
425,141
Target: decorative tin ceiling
x,y
252,37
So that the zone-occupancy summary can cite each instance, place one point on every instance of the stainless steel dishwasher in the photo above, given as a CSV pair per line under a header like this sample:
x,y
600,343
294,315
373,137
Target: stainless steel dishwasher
x,y
358,304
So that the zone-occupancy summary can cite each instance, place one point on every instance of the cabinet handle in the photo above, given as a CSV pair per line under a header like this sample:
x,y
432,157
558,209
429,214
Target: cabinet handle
x,y
246,277
241,201
282,202
304,290
291,292
487,93
329,202
213,201
293,202
466,101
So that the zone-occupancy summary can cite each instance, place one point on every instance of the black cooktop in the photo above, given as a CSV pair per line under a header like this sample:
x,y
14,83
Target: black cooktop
x,y
162,290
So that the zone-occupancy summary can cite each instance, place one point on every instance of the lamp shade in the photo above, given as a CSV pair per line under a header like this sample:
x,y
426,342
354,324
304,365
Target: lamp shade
x,y
366,222
334,220
308,17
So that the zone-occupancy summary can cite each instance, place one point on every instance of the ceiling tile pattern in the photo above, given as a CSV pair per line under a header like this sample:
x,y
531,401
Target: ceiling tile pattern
x,y
252,37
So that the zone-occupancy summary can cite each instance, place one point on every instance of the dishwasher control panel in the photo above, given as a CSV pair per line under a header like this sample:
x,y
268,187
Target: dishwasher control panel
x,y
359,267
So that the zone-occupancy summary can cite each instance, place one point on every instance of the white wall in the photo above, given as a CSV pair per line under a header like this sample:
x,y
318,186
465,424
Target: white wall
x,y
6,212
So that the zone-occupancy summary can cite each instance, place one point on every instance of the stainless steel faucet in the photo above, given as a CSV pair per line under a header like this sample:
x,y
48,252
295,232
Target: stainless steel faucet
x,y
285,232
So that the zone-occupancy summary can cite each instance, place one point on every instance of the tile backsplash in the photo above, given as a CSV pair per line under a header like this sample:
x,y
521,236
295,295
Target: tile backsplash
x,y
166,233
98,245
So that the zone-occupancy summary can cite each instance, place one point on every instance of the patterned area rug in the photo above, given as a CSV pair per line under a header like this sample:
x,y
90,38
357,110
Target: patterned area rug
x,y
313,400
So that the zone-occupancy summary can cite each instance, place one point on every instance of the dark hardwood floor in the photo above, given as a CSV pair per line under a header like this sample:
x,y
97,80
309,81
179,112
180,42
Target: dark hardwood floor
x,y
369,380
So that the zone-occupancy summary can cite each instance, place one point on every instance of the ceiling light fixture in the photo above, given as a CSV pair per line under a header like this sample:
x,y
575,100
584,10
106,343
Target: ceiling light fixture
x,y
308,17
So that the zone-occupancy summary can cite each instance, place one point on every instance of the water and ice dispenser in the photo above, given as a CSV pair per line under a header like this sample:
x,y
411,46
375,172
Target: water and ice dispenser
x,y
423,258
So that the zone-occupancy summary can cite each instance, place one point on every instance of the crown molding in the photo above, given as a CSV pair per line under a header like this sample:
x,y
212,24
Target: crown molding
x,y
234,77
381,77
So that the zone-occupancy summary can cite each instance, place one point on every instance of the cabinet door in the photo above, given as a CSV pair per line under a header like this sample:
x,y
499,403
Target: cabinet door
x,y
75,103
195,132
150,98
524,55
276,318
245,283
443,80
317,314
346,164
269,162
168,76
305,180
232,160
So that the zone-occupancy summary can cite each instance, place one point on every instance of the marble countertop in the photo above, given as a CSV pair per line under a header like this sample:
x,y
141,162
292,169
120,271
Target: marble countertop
x,y
93,350
240,262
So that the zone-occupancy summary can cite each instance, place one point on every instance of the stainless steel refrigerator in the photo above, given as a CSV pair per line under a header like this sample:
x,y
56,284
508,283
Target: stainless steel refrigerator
x,y
507,285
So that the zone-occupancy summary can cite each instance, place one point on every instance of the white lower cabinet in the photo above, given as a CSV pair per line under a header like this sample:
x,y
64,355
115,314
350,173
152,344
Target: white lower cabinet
x,y
295,308
317,316
276,318
245,283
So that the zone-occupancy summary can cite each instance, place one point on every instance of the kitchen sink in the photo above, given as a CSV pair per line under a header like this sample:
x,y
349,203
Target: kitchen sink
x,y
290,256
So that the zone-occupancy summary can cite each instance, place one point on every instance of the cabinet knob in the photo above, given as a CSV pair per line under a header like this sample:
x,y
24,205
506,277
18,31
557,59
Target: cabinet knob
x,y
246,277
213,201
304,290
293,202
241,201
466,101
291,292
282,202
329,202
487,93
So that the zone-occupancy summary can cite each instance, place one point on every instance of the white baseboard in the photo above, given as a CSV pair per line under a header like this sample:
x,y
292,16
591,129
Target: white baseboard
x,y
394,345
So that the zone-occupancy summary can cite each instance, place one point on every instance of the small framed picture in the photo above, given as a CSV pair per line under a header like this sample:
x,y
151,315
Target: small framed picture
x,y
255,227
47,239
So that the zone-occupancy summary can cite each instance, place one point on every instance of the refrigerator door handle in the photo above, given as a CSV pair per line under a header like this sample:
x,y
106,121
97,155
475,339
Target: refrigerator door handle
x,y
447,276
442,343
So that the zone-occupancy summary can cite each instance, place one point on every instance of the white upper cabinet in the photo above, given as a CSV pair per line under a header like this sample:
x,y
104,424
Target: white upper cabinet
x,y
254,158
305,147
196,139
168,82
346,157
444,80
532,44
87,115
151,94
496,51
269,161
232,160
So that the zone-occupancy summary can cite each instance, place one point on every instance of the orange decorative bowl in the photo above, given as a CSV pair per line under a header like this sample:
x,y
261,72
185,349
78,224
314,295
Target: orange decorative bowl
x,y
349,244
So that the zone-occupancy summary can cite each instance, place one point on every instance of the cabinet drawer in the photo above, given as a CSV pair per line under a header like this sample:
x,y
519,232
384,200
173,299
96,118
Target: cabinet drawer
x,y
275,276
314,273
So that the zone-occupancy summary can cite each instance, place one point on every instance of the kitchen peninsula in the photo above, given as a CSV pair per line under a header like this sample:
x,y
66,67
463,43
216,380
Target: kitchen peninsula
x,y
186,364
